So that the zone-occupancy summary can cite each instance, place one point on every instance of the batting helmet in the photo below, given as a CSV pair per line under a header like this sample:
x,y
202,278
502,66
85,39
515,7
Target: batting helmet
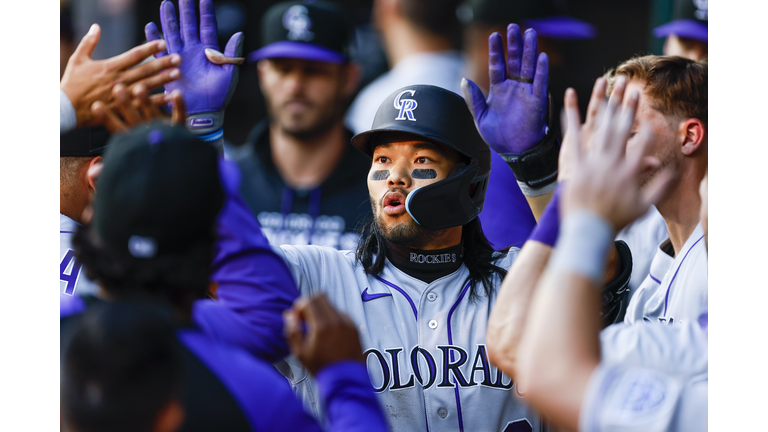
x,y
437,115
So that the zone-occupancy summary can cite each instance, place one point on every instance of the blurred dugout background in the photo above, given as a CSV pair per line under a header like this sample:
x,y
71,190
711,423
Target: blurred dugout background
x,y
623,30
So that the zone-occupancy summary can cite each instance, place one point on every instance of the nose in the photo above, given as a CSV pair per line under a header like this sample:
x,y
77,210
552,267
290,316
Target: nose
x,y
399,176
295,82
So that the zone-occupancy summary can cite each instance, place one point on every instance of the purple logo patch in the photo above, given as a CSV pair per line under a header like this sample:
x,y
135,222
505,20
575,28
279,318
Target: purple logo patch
x,y
201,122
155,137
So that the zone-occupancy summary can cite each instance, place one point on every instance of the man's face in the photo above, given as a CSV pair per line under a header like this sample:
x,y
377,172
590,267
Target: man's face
x,y
304,98
398,169
652,133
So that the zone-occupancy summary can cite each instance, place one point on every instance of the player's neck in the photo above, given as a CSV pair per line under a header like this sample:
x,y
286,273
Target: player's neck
x,y
72,204
306,163
402,40
680,208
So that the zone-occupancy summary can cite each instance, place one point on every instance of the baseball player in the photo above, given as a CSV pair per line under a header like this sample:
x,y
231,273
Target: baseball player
x,y
629,377
165,200
421,285
672,117
301,177
423,281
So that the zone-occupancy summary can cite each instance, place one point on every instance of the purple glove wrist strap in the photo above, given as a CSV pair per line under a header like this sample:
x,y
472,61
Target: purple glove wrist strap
x,y
548,227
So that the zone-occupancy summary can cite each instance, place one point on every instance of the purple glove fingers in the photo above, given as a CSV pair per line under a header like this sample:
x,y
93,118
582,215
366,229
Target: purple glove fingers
x,y
530,52
153,34
189,32
497,70
514,49
208,26
541,79
170,27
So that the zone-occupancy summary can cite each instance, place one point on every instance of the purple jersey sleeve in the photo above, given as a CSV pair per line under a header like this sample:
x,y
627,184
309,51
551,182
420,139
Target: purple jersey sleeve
x,y
350,401
254,283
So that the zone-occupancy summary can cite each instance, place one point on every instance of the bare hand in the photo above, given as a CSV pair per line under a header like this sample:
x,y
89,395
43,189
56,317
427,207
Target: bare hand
x,y
331,336
603,180
86,81
139,107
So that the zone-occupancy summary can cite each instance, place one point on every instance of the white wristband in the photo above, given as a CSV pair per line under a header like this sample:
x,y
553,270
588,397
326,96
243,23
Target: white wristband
x,y
582,245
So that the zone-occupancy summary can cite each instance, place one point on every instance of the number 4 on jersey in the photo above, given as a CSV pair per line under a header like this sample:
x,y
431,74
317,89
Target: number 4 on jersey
x,y
71,277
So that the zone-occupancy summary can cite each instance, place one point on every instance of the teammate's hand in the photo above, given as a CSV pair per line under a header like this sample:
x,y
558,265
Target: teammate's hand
x,y
330,336
514,117
208,77
603,180
138,107
86,81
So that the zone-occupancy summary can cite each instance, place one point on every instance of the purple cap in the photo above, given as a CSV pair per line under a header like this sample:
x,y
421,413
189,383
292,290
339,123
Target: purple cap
x,y
562,27
686,28
299,50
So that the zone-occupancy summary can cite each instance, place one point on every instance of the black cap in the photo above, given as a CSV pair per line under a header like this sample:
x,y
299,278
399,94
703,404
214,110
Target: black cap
x,y
159,192
84,142
690,20
318,31
544,16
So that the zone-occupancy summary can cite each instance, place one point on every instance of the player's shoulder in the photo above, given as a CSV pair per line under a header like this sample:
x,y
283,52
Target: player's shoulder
x,y
505,258
320,255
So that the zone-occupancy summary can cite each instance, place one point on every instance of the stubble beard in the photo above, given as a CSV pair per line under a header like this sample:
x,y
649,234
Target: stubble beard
x,y
319,120
408,233
668,160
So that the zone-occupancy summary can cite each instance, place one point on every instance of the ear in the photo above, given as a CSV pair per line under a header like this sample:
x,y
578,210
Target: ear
x,y
94,169
692,131
352,75
261,66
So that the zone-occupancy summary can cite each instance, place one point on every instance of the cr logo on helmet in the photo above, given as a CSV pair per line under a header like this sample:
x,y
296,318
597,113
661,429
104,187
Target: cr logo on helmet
x,y
406,106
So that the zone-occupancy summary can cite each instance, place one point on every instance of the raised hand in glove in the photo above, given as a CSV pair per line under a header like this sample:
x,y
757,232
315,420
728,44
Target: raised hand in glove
x,y
514,116
208,78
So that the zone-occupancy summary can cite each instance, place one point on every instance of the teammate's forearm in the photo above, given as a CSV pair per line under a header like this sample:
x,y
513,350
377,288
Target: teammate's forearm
x,y
539,203
560,347
507,321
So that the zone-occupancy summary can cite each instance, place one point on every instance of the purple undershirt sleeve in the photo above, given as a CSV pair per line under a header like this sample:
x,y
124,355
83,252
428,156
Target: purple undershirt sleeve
x,y
548,228
349,398
254,283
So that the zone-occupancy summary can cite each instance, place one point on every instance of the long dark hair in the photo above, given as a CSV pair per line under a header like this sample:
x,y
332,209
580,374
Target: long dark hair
x,y
478,255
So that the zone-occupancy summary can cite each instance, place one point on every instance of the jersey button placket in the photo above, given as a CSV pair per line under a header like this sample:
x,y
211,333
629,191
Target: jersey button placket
x,y
432,324
442,412
431,296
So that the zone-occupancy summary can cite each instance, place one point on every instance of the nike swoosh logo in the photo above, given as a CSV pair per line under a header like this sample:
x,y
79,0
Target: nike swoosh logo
x,y
368,297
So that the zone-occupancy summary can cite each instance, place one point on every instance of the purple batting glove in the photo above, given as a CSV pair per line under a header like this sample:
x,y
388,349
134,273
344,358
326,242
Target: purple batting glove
x,y
207,87
514,117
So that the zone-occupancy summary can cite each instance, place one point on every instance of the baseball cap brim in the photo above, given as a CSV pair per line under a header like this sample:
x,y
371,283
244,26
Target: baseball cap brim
x,y
686,28
298,50
562,27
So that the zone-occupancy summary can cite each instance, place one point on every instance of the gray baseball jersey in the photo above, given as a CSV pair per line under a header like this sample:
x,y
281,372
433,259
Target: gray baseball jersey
x,y
675,290
72,278
643,237
424,344
651,378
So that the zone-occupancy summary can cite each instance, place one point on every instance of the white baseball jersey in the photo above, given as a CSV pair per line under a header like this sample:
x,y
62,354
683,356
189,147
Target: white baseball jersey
x,y
72,278
643,237
675,290
424,344
651,378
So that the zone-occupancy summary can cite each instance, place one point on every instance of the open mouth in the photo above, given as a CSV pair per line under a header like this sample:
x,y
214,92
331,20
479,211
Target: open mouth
x,y
394,203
